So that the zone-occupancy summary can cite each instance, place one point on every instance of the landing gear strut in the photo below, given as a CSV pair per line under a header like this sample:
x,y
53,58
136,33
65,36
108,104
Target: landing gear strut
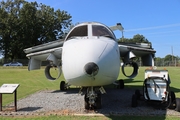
x,y
92,100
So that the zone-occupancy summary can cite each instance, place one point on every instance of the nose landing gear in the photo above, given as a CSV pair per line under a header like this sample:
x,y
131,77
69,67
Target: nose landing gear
x,y
92,100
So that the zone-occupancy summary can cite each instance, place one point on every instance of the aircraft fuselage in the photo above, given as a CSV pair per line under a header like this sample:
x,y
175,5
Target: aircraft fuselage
x,y
78,52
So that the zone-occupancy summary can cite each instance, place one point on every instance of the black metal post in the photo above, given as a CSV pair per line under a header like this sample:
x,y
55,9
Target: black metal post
x,y
15,100
0,101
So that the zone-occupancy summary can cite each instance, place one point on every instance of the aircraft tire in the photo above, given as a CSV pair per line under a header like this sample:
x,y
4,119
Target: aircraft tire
x,y
172,100
134,101
98,101
138,94
121,84
177,104
86,104
62,86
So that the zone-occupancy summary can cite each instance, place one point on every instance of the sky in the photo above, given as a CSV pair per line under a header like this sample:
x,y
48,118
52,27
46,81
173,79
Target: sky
x,y
157,20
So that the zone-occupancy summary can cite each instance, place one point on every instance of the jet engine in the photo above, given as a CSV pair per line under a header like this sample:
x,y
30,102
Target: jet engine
x,y
50,74
135,69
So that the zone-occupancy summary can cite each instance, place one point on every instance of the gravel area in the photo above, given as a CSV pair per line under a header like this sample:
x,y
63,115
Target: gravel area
x,y
114,102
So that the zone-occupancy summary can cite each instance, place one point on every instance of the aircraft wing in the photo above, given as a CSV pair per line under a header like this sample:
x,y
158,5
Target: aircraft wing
x,y
53,44
46,52
131,50
143,50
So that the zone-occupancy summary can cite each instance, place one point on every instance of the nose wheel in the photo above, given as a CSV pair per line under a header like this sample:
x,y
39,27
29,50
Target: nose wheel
x,y
86,102
92,100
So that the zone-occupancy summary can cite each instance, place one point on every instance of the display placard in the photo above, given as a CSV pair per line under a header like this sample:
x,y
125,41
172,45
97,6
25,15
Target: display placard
x,y
8,88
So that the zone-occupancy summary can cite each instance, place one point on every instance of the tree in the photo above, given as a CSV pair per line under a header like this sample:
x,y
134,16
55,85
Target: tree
x,y
8,24
168,60
171,60
140,39
136,39
25,24
159,61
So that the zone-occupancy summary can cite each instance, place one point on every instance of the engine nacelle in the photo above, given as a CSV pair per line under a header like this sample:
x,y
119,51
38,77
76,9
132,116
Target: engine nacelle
x,y
48,71
135,69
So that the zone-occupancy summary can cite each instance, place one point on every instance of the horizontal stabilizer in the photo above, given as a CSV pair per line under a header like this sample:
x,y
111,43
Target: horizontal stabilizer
x,y
117,27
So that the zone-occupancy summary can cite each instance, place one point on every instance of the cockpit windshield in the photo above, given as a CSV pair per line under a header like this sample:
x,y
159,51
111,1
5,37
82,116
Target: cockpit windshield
x,y
98,30
89,30
78,32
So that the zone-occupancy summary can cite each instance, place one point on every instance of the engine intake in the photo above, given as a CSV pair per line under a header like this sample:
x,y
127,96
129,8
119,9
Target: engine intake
x,y
48,74
135,69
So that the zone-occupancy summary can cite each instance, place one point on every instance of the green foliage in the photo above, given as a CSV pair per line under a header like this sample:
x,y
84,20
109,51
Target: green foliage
x,y
168,60
136,39
30,81
24,24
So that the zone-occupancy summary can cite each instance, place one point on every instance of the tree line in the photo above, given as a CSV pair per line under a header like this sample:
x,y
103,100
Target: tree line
x,y
168,60
24,24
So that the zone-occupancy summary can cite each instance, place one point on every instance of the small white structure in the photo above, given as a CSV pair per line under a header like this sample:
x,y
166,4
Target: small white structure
x,y
9,89
156,85
156,89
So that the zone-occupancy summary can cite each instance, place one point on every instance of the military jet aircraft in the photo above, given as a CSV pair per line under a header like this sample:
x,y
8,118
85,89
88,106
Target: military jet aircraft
x,y
89,57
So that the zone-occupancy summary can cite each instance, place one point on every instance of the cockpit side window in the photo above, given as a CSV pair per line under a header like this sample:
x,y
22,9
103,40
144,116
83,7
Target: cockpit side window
x,y
101,31
78,32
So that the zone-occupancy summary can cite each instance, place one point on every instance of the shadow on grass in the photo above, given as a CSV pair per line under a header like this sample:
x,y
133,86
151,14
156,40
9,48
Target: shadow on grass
x,y
132,81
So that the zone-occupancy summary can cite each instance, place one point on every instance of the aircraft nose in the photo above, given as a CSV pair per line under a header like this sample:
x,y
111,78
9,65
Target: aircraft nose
x,y
91,68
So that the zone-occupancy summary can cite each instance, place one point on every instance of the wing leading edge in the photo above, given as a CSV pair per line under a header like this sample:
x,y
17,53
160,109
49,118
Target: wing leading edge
x,y
52,55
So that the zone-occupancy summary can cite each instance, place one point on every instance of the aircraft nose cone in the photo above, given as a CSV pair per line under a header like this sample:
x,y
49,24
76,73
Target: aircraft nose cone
x,y
91,68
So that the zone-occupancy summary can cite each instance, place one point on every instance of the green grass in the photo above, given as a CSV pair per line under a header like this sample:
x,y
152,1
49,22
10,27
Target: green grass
x,y
30,81
33,81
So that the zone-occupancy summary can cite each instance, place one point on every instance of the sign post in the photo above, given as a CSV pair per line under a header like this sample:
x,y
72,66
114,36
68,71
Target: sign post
x,y
9,89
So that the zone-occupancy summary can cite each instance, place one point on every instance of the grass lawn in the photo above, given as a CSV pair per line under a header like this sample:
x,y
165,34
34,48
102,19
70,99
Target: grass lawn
x,y
30,81
33,81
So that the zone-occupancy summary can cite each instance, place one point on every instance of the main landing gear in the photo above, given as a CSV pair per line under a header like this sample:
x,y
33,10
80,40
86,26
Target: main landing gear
x,y
63,86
